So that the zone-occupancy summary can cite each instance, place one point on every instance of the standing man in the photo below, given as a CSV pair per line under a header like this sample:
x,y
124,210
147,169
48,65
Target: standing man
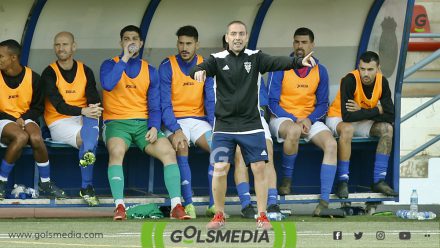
x,y
241,175
21,104
187,106
131,99
237,73
72,108
298,100
363,107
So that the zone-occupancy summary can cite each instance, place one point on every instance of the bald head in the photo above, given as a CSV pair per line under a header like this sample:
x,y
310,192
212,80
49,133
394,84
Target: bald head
x,y
65,34
64,46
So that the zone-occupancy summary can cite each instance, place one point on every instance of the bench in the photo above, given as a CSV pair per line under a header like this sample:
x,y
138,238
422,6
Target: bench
x,y
144,176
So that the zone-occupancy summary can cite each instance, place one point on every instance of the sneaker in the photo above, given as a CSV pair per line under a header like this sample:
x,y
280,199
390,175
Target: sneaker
x,y
263,222
382,187
284,188
273,208
178,212
88,159
51,189
2,190
217,222
248,212
88,194
120,213
321,206
322,210
190,210
210,211
342,189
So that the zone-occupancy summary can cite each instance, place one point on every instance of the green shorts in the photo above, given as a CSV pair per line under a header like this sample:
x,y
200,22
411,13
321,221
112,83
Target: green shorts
x,y
130,131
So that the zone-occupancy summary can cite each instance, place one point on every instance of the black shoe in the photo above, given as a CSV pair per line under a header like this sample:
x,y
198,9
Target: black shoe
x,y
342,189
322,210
89,196
51,189
273,208
248,212
284,188
2,190
382,187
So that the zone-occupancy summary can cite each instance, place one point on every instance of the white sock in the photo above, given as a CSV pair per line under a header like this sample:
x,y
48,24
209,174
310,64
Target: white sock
x,y
42,164
45,180
175,201
119,201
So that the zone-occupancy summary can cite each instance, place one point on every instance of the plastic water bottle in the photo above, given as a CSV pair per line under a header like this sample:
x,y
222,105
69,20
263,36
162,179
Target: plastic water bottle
x,y
275,216
407,214
426,216
414,200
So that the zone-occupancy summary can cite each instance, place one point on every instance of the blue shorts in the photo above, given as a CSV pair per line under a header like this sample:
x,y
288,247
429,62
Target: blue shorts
x,y
253,147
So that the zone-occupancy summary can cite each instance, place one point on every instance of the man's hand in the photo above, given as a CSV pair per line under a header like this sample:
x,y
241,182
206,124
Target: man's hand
x,y
179,140
380,109
151,135
20,123
352,106
308,60
129,51
200,76
92,111
305,124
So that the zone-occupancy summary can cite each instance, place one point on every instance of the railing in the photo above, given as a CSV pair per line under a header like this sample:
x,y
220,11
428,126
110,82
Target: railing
x,y
408,72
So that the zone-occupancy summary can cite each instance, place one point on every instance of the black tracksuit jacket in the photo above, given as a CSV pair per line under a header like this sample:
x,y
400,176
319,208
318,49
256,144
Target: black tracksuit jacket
x,y
236,83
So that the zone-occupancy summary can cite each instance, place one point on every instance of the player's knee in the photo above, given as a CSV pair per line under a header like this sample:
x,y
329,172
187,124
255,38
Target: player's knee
x,y
220,169
117,152
258,168
293,133
167,153
21,138
388,129
183,150
330,146
35,139
346,131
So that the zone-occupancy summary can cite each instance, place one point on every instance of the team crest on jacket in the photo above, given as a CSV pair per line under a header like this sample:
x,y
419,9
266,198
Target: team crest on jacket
x,y
247,66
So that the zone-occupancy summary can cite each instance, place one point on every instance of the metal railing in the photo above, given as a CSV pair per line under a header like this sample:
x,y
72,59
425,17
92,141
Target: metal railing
x,y
408,72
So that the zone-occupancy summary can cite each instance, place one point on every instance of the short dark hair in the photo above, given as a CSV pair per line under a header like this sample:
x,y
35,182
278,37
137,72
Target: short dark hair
x,y
130,28
369,56
189,31
13,46
236,22
305,31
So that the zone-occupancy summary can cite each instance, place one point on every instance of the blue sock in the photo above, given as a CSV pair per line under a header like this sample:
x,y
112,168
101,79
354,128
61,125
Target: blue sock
x,y
380,167
210,172
243,194
44,169
287,165
89,135
343,170
5,169
86,176
185,179
272,196
327,177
